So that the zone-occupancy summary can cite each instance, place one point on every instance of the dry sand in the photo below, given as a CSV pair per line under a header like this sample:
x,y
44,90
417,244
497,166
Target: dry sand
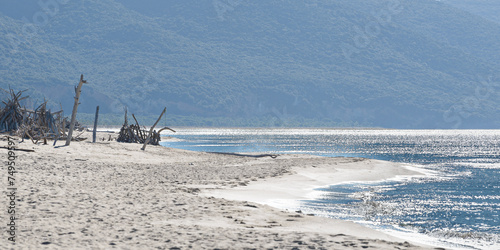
x,y
108,195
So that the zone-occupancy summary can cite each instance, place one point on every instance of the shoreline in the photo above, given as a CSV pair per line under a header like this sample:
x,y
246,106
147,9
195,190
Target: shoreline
x,y
287,192
321,172
109,194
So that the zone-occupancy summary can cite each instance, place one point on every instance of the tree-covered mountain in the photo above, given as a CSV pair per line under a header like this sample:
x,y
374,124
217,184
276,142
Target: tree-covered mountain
x,y
488,9
404,64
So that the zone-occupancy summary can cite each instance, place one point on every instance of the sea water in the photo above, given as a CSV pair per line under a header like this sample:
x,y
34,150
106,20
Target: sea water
x,y
456,206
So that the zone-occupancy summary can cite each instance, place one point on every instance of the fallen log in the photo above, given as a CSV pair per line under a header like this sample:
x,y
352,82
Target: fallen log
x,y
246,155
19,149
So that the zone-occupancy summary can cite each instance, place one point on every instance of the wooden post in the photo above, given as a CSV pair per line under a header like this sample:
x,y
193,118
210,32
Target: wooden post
x,y
78,91
152,128
95,124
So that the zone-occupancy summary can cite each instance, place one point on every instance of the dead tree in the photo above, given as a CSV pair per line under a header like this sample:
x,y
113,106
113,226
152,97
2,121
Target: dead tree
x,y
78,91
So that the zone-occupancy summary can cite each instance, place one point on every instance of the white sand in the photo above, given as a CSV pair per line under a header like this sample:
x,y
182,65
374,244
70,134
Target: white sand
x,y
318,172
113,195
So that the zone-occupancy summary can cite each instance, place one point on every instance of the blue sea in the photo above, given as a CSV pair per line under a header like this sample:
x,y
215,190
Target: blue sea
x,y
457,205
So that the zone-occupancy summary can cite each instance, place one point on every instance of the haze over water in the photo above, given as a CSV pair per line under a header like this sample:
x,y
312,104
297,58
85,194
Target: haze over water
x,y
458,202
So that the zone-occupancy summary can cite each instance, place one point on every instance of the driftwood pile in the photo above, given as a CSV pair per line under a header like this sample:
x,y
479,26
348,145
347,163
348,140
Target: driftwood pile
x,y
41,124
36,125
134,134
11,116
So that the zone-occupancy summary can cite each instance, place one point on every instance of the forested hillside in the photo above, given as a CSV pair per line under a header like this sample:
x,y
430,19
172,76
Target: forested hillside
x,y
402,64
488,9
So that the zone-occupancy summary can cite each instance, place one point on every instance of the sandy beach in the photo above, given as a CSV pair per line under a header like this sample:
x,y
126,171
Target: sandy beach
x,y
107,195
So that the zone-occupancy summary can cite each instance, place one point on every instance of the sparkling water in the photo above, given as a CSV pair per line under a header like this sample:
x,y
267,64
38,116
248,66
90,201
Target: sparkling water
x,y
458,205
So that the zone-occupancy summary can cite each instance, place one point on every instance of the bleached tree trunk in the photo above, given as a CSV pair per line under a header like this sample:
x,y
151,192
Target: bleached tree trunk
x,y
78,91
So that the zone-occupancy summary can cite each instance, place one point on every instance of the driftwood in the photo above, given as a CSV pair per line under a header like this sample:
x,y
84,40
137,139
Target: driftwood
x,y
11,117
78,91
95,124
152,129
36,125
135,134
19,149
246,155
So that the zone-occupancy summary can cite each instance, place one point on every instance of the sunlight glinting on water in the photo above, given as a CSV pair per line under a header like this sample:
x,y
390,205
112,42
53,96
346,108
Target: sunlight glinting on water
x,y
458,200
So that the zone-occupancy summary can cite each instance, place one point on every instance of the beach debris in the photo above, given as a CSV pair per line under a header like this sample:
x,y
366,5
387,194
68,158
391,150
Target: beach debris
x,y
78,91
95,125
152,128
37,125
133,133
247,155
11,116
41,124
250,205
19,149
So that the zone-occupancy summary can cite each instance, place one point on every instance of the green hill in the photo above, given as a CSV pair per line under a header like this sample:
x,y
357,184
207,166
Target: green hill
x,y
487,9
409,64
